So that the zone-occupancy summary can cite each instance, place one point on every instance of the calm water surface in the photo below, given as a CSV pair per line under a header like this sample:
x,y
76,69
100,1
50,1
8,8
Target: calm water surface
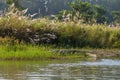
x,y
103,69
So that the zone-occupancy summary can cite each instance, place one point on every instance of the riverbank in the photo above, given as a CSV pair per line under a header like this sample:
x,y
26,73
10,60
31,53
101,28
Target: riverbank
x,y
30,52
47,52
22,38
92,53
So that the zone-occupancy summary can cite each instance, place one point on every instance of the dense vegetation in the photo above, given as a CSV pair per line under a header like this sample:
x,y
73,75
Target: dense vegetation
x,y
86,12
45,31
82,26
73,32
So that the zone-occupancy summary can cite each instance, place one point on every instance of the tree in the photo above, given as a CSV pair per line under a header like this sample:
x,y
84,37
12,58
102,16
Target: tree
x,y
116,16
83,10
100,14
87,12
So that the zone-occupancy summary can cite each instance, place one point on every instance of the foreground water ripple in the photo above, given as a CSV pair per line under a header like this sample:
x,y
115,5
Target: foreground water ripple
x,y
103,69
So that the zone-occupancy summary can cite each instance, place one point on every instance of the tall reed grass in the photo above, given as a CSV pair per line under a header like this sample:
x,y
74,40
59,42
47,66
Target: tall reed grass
x,y
68,33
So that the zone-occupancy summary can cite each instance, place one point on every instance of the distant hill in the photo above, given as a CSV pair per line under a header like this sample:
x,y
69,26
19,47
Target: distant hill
x,y
47,7
113,5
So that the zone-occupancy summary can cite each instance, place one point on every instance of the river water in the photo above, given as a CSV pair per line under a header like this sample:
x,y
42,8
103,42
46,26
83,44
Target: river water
x,y
102,69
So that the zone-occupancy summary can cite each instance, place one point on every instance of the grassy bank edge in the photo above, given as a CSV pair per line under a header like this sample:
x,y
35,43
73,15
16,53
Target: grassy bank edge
x,y
30,52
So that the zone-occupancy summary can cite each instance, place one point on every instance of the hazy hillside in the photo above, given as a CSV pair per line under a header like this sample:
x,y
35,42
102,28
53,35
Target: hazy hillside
x,y
46,7
2,4
108,4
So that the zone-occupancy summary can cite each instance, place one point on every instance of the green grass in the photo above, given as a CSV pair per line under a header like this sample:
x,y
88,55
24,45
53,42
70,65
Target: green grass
x,y
30,52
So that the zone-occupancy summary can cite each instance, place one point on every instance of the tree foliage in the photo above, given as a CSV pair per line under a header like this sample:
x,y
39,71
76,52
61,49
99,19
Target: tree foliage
x,y
87,12
116,16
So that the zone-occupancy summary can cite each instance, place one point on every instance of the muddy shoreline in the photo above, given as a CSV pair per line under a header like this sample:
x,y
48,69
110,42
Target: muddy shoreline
x,y
101,53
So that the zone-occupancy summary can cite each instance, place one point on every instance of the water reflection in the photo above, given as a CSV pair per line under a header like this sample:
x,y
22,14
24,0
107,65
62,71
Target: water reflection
x,y
103,69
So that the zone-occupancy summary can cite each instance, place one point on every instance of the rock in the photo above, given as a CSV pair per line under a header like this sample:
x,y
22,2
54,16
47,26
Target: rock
x,y
48,38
